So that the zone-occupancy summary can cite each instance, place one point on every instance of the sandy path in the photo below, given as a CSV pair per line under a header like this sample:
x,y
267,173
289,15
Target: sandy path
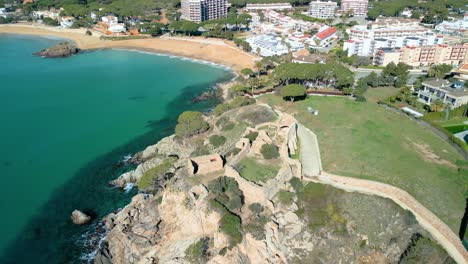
x,y
210,50
429,221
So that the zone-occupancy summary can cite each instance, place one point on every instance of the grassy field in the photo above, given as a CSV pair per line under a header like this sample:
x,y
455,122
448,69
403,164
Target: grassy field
x,y
375,94
364,140
254,171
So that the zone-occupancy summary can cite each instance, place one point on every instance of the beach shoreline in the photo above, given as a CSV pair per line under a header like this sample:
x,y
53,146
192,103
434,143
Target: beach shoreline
x,y
207,50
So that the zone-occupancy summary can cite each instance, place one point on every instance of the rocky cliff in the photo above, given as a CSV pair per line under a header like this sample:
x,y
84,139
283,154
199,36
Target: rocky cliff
x,y
234,216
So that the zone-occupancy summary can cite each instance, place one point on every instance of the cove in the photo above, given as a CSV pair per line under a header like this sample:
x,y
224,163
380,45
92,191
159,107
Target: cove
x,y
65,125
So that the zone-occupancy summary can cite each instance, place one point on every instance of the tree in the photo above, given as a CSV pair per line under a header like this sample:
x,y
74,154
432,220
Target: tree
x,y
373,80
439,71
293,91
437,105
361,61
49,21
247,71
191,123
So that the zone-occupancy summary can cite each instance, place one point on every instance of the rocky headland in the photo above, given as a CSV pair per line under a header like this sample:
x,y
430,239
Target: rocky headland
x,y
256,209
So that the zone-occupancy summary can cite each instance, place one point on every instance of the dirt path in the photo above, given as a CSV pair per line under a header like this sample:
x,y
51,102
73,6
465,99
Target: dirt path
x,y
429,221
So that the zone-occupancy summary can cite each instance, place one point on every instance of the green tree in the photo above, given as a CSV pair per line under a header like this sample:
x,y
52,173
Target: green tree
x,y
439,71
437,105
191,123
293,91
247,71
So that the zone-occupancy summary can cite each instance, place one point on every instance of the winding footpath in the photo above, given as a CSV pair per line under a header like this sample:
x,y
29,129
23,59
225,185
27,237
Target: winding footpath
x,y
312,171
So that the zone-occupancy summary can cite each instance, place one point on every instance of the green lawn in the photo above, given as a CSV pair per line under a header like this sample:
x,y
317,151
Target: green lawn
x,y
364,140
254,171
381,93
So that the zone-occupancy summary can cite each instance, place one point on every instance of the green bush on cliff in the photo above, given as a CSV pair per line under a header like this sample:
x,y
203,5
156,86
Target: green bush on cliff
x,y
148,177
198,251
269,151
217,140
230,225
191,123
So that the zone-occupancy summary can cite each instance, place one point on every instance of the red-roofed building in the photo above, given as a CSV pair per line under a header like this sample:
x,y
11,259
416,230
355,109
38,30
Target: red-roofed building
x,y
324,37
462,72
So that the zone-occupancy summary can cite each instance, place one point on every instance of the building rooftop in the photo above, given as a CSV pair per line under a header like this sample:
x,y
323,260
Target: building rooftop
x,y
326,33
446,86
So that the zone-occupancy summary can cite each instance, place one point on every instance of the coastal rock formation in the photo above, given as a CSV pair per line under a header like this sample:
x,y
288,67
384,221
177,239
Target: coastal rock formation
x,y
58,51
223,217
80,218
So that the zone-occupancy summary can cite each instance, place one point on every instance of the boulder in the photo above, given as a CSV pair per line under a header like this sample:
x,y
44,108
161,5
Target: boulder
x,y
79,218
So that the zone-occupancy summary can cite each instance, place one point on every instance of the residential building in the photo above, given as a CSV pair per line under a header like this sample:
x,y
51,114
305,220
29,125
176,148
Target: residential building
x,y
384,56
451,94
3,12
201,10
66,22
462,72
322,10
54,14
110,20
355,7
435,54
393,23
324,37
267,45
117,28
455,27
270,6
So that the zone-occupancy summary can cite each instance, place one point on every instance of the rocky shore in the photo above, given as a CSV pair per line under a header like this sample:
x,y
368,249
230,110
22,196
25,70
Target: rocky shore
x,y
222,217
60,50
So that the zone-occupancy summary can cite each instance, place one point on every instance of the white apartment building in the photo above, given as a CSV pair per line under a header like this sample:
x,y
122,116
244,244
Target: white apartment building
x,y
355,7
367,46
322,10
455,27
267,45
201,10
447,92
271,6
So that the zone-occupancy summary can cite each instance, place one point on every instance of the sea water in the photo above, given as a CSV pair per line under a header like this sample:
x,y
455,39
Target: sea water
x,y
66,123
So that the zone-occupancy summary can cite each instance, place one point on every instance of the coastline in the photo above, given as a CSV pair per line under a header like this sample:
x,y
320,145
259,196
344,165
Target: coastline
x,y
214,51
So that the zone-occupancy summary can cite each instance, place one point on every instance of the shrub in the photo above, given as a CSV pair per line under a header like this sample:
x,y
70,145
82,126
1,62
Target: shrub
x,y
252,136
230,224
256,208
296,184
257,116
235,103
225,124
148,177
233,152
270,151
247,71
228,127
360,98
198,251
285,197
256,227
200,151
217,140
227,192
293,91
191,123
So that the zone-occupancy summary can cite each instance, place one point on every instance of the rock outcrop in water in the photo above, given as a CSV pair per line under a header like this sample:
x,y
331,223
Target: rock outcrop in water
x,y
58,51
80,218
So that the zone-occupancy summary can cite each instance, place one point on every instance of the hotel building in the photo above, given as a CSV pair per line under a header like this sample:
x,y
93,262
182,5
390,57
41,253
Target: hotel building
x,y
355,7
322,10
201,10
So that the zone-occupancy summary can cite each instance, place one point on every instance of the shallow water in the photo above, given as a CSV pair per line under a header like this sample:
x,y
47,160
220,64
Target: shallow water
x,y
65,125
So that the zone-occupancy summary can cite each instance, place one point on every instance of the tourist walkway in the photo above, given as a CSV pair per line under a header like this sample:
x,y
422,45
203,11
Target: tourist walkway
x,y
312,171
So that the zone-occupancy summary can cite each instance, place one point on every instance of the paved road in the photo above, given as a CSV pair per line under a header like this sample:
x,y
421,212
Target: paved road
x,y
310,159
309,153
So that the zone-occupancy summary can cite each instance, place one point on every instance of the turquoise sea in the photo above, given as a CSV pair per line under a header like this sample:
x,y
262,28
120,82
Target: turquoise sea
x,y
66,123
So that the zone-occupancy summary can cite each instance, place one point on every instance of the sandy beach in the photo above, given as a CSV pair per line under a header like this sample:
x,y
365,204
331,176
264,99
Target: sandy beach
x,y
213,50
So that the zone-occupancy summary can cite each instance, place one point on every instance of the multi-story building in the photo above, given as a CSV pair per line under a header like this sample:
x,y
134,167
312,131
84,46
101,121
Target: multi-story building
x,y
454,27
436,54
423,55
322,10
269,6
201,10
385,56
369,46
451,94
324,37
267,45
355,7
